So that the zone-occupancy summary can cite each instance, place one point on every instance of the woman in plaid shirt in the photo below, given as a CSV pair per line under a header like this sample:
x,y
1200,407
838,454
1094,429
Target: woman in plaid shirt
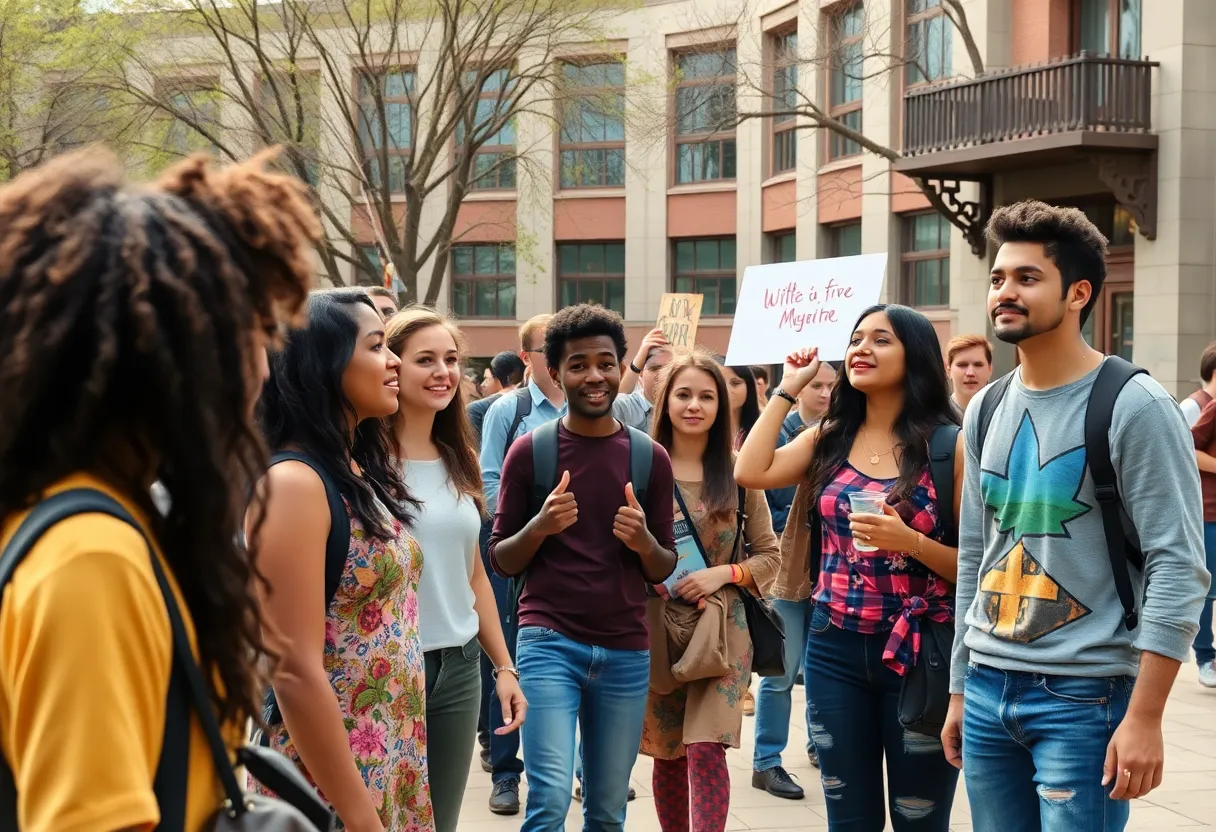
x,y
864,632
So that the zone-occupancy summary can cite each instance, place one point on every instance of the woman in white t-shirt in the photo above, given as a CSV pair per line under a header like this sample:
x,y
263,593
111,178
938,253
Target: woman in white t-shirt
x,y
435,447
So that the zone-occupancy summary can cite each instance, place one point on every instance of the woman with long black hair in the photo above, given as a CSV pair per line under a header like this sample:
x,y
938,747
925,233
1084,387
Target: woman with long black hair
x,y
744,400
351,686
881,575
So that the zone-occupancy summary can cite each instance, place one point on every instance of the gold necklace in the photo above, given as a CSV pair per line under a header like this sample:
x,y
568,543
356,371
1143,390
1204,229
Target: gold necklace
x,y
875,458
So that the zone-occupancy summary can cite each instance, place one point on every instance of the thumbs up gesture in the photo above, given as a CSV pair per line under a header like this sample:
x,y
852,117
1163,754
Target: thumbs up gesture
x,y
560,509
630,524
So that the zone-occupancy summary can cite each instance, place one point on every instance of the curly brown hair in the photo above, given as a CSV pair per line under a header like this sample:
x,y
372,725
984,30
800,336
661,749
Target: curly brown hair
x,y
1074,244
131,320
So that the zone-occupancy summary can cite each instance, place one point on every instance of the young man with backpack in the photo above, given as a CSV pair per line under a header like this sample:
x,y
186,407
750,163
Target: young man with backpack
x,y
1194,404
1080,562
584,524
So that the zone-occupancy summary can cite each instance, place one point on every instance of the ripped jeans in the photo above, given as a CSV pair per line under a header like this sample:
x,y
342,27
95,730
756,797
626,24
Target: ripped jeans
x,y
1033,750
853,720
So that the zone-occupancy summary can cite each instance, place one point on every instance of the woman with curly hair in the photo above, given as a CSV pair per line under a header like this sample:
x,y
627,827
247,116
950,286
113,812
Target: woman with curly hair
x,y
133,325
349,705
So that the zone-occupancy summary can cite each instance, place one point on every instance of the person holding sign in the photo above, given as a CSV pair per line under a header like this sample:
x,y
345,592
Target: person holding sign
x,y
635,404
694,710
882,583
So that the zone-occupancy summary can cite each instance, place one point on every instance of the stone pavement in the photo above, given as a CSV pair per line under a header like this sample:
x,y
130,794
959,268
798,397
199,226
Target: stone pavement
x,y
1185,801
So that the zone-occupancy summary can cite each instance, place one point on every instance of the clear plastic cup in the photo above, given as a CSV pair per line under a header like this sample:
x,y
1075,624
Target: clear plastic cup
x,y
866,502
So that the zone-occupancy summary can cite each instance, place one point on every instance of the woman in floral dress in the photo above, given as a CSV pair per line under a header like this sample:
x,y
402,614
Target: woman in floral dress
x,y
695,706
349,701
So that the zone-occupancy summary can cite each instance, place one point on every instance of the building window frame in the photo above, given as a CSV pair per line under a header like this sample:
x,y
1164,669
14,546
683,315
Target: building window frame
x,y
610,276
784,128
693,279
838,245
472,266
494,167
918,264
927,29
1115,29
693,142
783,246
393,96
575,152
845,78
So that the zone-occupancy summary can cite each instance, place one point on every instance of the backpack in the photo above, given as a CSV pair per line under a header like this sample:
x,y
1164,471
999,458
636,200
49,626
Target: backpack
x,y
545,477
1122,541
941,471
297,808
523,406
337,549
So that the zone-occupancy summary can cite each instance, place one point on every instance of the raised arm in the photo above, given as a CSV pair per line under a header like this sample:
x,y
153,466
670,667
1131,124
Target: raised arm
x,y
760,464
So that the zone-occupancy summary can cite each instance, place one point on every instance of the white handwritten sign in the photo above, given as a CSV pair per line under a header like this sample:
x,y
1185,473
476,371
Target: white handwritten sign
x,y
679,315
783,307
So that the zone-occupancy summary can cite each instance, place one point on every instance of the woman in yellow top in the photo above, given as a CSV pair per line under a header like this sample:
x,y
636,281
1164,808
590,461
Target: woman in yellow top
x,y
133,330
701,650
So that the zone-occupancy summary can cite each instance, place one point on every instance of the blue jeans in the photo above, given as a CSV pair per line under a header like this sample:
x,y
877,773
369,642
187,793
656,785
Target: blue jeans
x,y
1205,650
773,698
853,720
504,751
1033,750
604,692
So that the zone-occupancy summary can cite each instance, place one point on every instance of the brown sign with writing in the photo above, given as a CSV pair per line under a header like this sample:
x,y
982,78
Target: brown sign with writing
x,y
679,315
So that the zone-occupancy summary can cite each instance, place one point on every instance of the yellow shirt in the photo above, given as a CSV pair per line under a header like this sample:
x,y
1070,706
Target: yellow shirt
x,y
85,655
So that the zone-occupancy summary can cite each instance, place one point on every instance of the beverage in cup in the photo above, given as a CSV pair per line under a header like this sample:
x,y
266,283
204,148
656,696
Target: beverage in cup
x,y
866,502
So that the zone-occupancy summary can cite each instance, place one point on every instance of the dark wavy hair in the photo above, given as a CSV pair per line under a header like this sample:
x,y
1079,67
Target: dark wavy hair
x,y
719,493
452,431
585,320
749,414
303,405
926,405
130,324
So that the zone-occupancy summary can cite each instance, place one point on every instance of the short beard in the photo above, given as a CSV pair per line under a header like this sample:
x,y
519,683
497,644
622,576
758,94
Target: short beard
x,y
1027,330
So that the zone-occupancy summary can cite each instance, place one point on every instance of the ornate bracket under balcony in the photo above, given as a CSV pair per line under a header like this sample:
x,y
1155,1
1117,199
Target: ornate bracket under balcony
x,y
1133,181
969,217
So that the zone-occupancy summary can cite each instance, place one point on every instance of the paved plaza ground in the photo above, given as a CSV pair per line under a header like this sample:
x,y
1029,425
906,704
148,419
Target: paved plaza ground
x,y
1185,801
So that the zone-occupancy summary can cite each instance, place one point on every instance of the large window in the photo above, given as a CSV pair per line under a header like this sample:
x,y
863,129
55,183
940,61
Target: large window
x,y
194,106
928,47
385,121
591,273
844,240
785,101
845,79
784,247
925,259
1108,27
593,126
705,116
494,162
483,281
707,267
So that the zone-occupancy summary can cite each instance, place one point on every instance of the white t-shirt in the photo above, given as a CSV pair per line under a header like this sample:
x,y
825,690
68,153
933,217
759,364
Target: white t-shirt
x,y
1191,410
446,527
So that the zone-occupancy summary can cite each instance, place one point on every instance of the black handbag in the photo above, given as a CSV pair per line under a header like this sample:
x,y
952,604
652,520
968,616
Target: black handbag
x,y
764,623
924,696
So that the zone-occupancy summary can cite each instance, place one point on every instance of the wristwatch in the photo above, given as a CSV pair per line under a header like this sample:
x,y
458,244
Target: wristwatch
x,y
780,393
504,669
635,369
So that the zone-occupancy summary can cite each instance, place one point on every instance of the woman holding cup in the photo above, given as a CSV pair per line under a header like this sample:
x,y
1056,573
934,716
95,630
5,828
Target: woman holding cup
x,y
866,468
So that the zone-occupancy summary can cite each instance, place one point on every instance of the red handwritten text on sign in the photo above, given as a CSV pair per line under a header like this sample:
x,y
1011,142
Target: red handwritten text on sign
x,y
807,305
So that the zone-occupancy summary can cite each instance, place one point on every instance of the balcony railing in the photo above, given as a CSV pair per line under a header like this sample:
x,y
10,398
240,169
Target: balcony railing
x,y
1080,93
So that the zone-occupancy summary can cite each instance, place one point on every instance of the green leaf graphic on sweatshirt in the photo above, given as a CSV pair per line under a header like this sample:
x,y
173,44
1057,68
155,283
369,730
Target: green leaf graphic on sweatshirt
x,y
1033,498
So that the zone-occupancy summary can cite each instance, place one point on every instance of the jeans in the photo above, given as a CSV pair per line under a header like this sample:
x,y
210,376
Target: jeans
x,y
853,720
1034,747
604,692
773,697
453,699
504,751
1205,650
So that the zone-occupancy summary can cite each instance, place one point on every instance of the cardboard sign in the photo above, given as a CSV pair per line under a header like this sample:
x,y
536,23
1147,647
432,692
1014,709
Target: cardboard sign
x,y
783,307
679,315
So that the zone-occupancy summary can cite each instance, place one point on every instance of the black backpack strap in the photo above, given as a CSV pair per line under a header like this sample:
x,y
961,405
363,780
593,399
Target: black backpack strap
x,y
337,545
1112,378
941,470
172,770
523,406
544,463
641,459
992,398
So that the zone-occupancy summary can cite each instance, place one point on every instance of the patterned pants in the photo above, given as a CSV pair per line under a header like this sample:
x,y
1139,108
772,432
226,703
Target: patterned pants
x,y
692,794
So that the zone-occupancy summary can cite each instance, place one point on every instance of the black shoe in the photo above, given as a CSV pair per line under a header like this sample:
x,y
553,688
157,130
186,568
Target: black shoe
x,y
578,794
813,756
504,799
798,680
777,782
485,761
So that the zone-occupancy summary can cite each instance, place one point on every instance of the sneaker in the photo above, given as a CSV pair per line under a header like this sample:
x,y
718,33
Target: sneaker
x,y
504,799
749,704
485,761
1207,674
578,794
777,782
813,756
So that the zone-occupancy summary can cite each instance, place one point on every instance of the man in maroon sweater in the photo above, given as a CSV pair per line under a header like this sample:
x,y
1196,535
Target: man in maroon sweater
x,y
583,649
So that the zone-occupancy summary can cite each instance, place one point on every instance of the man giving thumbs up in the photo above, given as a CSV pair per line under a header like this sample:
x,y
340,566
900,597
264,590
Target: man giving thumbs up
x,y
583,647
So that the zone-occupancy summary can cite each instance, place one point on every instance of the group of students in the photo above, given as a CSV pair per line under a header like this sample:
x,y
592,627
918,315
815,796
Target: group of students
x,y
307,475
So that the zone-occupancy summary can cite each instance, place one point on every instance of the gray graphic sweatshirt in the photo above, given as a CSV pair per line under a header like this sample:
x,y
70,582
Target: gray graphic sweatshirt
x,y
1035,588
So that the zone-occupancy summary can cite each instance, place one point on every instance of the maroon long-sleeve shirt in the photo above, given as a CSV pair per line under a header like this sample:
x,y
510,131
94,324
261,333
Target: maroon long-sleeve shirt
x,y
584,582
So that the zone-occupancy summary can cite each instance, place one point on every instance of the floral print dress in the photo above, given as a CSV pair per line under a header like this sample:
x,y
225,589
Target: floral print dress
x,y
374,660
